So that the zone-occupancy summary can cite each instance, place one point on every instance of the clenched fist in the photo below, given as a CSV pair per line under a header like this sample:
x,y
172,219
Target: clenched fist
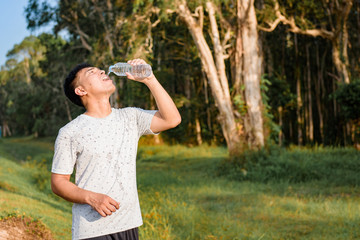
x,y
103,204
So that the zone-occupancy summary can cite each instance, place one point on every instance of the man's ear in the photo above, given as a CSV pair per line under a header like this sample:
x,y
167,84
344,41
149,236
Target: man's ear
x,y
80,91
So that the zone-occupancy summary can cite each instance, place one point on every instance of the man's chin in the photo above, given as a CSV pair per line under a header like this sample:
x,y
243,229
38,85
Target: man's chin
x,y
113,89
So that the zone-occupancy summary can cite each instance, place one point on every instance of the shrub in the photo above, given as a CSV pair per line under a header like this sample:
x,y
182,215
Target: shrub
x,y
348,97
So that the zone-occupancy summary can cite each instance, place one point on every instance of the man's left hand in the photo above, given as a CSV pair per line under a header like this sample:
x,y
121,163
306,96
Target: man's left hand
x,y
134,62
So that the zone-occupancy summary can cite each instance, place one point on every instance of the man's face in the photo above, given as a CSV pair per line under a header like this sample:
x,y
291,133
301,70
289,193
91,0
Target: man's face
x,y
95,82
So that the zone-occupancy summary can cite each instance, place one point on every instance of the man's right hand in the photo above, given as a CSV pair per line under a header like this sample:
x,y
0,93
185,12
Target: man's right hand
x,y
103,204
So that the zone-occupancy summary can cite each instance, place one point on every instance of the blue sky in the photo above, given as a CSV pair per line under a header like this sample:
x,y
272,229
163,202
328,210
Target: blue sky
x,y
13,25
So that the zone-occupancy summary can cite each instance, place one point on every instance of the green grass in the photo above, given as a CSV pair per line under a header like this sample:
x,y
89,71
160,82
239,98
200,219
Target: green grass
x,y
335,166
27,161
182,197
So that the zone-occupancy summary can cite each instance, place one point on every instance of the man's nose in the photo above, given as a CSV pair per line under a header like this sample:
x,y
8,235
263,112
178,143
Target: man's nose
x,y
102,72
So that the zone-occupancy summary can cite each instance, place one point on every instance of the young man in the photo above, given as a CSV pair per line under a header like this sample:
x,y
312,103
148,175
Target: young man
x,y
102,144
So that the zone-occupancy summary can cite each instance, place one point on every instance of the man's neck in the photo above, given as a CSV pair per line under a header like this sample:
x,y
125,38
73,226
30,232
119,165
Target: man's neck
x,y
98,109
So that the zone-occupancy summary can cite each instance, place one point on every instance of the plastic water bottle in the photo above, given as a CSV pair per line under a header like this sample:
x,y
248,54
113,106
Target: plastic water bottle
x,y
139,71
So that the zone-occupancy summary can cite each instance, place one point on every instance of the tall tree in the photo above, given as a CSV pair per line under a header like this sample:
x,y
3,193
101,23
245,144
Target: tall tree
x,y
27,54
220,73
214,66
111,28
252,67
325,18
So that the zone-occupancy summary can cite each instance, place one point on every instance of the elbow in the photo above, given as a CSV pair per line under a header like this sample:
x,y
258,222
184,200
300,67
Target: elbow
x,y
54,188
176,121
56,184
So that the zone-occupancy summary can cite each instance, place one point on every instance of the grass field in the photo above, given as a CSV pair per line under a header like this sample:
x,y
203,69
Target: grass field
x,y
182,197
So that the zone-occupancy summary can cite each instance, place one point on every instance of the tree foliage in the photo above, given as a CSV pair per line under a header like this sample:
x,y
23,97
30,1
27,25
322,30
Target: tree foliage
x,y
302,72
348,97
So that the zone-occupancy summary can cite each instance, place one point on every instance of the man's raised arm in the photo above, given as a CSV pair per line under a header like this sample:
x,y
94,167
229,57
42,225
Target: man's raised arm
x,y
168,115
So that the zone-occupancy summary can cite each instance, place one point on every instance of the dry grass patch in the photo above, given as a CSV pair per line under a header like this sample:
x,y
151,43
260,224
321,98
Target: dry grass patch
x,y
23,228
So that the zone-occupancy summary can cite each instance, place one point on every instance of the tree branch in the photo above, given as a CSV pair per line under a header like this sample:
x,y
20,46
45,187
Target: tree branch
x,y
218,48
199,13
271,27
293,27
155,23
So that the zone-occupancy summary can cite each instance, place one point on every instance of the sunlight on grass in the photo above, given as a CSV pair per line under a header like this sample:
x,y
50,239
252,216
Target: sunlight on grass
x,y
53,215
181,197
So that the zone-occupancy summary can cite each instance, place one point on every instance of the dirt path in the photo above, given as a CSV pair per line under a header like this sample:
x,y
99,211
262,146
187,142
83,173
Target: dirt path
x,y
23,228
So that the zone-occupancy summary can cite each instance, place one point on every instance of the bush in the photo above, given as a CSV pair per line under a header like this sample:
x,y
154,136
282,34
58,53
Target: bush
x,y
348,97
334,166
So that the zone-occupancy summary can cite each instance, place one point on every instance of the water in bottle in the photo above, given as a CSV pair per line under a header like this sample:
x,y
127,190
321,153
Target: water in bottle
x,y
139,71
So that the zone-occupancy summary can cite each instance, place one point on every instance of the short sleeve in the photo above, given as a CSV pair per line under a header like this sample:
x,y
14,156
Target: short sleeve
x,y
143,120
64,154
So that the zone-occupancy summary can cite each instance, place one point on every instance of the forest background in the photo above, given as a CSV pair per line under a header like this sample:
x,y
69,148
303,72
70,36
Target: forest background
x,y
244,74
280,78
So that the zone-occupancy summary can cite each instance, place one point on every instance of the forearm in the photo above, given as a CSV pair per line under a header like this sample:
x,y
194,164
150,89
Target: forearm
x,y
166,106
69,191
103,204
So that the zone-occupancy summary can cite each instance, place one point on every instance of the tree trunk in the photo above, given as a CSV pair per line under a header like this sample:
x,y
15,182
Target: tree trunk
x,y
339,64
206,94
68,113
334,100
198,130
340,42
108,35
310,112
306,111
27,70
67,107
187,91
280,111
252,70
298,94
238,54
319,90
299,105
220,92
218,51
6,130
358,24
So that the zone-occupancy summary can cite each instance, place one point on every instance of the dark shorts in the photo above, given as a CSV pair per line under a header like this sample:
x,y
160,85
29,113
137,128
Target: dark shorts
x,y
131,234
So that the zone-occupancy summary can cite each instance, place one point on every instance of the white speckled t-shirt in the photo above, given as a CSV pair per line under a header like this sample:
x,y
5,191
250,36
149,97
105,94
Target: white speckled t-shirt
x,y
104,153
